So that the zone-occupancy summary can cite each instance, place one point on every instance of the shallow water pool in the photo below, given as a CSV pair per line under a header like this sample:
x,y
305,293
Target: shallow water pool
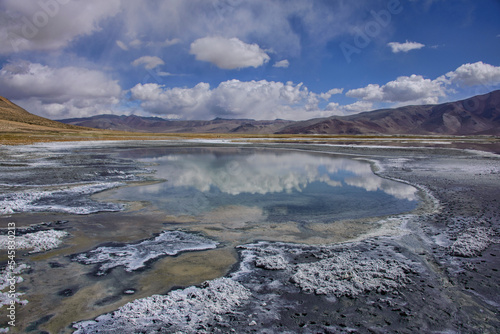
x,y
252,188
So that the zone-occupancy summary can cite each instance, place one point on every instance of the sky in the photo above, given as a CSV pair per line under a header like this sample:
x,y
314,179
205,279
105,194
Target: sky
x,y
252,59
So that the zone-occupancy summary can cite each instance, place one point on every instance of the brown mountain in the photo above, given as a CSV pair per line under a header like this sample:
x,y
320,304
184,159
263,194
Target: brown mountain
x,y
15,118
160,125
474,116
478,115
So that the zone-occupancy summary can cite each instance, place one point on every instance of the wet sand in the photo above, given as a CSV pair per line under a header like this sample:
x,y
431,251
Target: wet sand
x,y
444,292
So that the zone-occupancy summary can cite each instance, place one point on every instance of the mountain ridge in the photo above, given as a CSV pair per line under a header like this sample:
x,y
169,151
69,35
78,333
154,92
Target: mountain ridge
x,y
477,115
473,116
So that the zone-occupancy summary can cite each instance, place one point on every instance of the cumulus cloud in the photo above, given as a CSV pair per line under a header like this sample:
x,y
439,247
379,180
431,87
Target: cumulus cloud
x,y
475,74
149,62
404,47
228,53
349,109
49,25
334,91
58,92
282,63
413,89
269,22
233,99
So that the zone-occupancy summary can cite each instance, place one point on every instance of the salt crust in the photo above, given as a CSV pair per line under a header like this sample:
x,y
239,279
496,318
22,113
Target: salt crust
x,y
188,310
472,242
332,270
271,262
44,200
336,271
39,241
5,282
349,274
135,256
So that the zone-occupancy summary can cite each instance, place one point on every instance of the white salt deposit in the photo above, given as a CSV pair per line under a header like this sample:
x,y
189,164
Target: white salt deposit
x,y
181,311
38,241
335,271
472,242
271,262
58,200
349,274
135,256
7,277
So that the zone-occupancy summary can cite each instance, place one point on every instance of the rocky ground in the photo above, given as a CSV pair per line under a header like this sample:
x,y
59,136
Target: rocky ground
x,y
436,272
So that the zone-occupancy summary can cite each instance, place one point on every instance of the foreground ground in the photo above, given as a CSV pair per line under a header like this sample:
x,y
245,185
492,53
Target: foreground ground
x,y
432,271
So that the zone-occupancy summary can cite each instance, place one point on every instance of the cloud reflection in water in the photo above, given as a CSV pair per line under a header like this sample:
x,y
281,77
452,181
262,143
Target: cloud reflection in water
x,y
264,173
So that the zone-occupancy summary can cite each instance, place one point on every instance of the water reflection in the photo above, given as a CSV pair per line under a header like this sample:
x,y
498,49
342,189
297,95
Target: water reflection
x,y
284,184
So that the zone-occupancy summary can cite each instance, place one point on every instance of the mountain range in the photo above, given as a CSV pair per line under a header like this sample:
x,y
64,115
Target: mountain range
x,y
478,115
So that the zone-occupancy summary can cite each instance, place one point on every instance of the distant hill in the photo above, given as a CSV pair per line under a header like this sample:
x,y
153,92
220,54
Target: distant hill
x,y
13,117
478,115
160,125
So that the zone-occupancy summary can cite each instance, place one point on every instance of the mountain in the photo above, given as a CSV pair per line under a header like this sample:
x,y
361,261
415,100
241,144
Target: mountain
x,y
15,118
478,115
160,125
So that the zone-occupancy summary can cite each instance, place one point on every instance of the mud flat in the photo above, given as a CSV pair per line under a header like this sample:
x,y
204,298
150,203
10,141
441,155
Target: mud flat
x,y
434,270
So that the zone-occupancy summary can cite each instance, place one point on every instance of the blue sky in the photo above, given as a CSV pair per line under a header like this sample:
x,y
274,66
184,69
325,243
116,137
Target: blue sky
x,y
259,59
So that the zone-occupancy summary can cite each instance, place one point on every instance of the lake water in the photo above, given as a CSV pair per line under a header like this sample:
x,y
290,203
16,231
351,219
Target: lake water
x,y
266,186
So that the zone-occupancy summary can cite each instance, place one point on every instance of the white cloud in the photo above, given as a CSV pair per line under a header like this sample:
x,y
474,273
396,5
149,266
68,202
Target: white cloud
x,y
282,63
475,74
166,43
149,62
414,89
137,43
122,45
404,47
353,108
334,91
372,92
50,25
228,53
269,22
233,99
58,92
164,74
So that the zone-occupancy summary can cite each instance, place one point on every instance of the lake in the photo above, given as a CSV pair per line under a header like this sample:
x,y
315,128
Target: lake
x,y
142,218
258,190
